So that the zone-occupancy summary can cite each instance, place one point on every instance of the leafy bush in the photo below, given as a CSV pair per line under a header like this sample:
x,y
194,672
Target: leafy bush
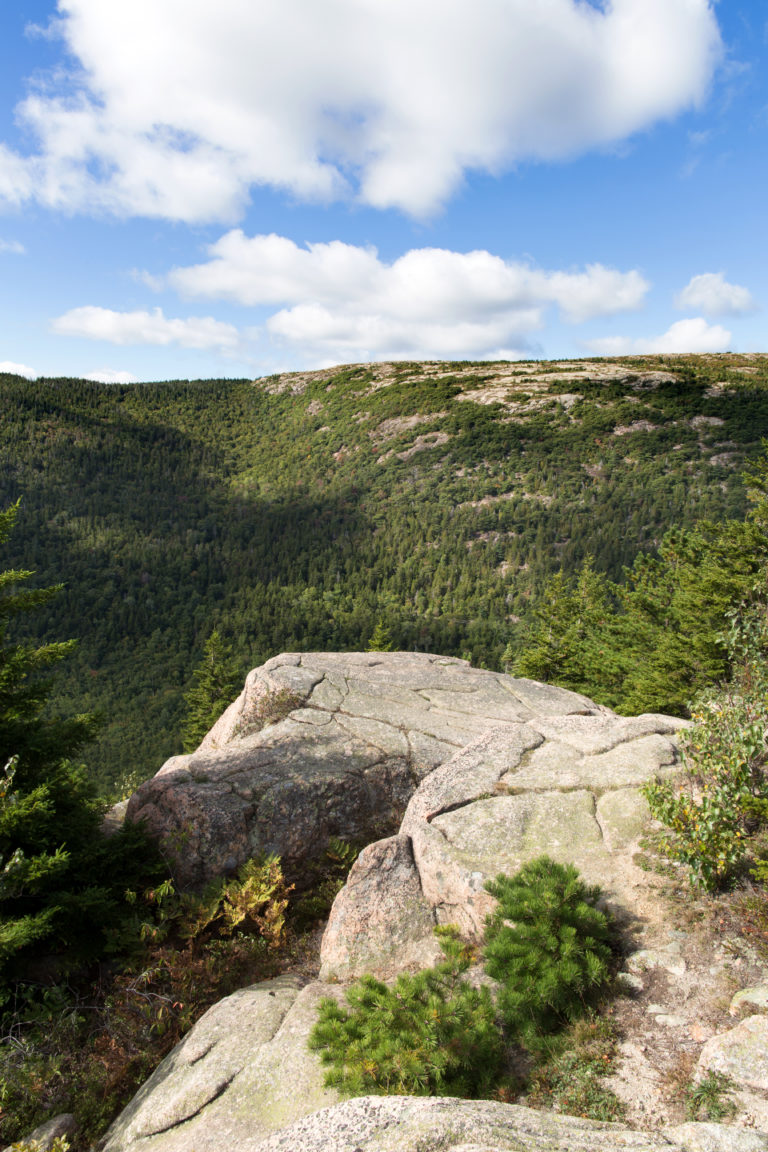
x,y
60,1144
548,945
254,901
324,878
722,796
432,1034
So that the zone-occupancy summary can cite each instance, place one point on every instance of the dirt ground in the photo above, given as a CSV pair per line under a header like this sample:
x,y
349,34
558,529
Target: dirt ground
x,y
678,997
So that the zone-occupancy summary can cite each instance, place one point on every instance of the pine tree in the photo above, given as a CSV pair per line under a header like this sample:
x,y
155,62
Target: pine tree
x,y
380,640
62,882
548,945
217,681
430,1034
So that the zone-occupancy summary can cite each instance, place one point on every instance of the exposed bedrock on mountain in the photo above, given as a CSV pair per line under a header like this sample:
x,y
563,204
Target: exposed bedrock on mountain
x,y
324,744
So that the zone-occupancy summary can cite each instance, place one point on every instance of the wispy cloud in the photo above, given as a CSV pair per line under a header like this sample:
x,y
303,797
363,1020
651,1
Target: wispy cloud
x,y
13,247
692,335
389,101
140,327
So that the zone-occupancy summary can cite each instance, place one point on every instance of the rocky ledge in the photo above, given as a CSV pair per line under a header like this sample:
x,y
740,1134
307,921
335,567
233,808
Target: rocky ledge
x,y
323,744
477,772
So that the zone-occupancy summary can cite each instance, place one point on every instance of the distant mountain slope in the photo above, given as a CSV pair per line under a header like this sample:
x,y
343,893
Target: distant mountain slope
x,y
296,511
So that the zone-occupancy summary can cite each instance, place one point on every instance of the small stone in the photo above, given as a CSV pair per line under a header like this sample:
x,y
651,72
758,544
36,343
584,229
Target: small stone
x,y
750,1000
630,980
669,1020
699,1033
667,958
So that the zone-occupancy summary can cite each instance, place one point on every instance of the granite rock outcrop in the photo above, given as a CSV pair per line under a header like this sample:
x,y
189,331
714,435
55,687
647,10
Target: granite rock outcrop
x,y
362,730
562,784
475,772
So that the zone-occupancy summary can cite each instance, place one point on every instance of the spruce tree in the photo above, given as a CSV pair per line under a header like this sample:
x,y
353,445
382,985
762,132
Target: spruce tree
x,y
217,681
381,640
568,638
62,882
652,643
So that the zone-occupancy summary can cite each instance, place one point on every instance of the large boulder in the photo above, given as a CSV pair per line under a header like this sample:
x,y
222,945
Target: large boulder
x,y
741,1054
486,771
565,785
324,744
242,1072
380,920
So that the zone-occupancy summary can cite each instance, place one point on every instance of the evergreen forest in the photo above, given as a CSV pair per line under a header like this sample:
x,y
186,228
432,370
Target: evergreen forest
x,y
432,503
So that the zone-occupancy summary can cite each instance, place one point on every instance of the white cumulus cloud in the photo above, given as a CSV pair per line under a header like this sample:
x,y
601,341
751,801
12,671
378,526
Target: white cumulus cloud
x,y
340,300
111,376
693,335
17,369
177,109
711,294
146,328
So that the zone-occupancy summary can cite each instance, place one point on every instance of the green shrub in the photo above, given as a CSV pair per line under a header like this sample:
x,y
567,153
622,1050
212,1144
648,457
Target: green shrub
x,y
434,1033
431,1034
88,1050
324,879
722,796
548,945
709,1099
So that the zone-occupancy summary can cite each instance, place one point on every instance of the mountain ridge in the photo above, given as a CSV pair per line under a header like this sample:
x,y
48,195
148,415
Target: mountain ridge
x,y
296,511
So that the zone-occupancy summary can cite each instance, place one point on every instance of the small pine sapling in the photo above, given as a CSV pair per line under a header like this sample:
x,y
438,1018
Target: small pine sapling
x,y
548,946
431,1034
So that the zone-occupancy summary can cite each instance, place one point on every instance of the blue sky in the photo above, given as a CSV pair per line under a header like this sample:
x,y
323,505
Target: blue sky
x,y
196,190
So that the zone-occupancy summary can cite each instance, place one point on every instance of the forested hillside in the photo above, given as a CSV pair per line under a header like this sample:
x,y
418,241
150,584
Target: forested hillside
x,y
297,512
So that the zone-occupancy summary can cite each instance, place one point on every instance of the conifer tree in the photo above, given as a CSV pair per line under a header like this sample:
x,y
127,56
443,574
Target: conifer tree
x,y
567,642
654,642
381,640
62,882
431,1034
217,681
548,945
